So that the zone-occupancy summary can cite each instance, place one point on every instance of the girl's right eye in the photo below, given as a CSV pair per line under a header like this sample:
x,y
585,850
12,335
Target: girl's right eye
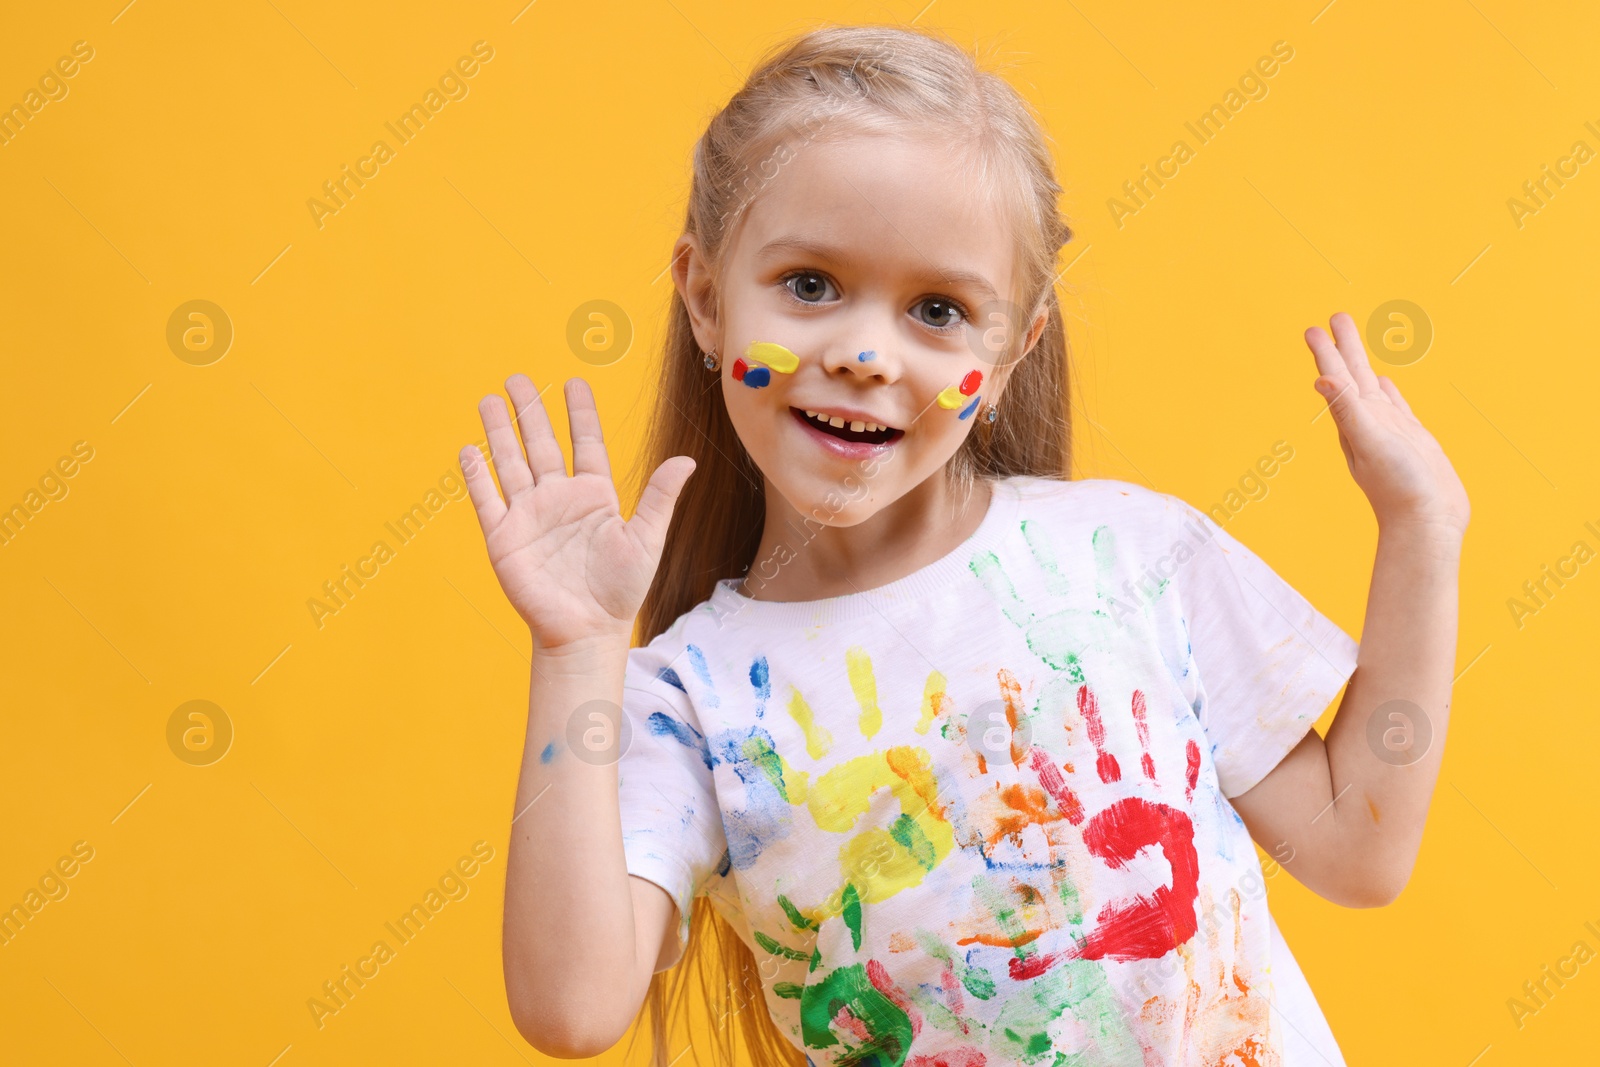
x,y
808,286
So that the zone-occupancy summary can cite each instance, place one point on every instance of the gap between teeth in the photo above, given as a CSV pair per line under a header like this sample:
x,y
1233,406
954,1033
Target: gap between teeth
x,y
856,425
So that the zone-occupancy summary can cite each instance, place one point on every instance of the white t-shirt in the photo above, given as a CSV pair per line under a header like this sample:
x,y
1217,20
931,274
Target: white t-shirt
x,y
980,813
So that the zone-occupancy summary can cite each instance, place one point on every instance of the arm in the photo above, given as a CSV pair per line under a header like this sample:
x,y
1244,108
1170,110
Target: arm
x,y
1343,814
581,937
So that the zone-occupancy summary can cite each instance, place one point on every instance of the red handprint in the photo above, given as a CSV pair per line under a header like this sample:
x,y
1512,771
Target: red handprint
x,y
1142,926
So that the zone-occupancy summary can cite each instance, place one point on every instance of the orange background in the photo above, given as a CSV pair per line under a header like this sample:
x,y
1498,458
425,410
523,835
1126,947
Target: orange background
x,y
369,754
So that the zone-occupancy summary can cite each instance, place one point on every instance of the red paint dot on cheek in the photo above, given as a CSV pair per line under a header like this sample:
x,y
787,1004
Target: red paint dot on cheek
x,y
970,383
739,367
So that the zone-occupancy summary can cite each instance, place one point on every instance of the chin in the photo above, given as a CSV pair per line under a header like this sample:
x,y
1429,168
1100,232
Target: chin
x,y
837,503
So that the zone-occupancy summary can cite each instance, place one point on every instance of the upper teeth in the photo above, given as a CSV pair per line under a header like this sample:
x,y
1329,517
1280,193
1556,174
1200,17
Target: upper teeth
x,y
857,425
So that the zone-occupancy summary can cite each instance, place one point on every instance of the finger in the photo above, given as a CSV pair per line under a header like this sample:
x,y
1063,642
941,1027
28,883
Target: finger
x,y
1355,354
1330,361
480,488
544,454
1345,404
503,447
1393,392
657,501
583,421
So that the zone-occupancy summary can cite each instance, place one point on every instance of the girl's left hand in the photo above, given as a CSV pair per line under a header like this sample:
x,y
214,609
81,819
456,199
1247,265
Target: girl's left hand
x,y
1394,460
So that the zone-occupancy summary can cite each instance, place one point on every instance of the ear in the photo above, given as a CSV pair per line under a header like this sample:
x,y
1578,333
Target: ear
x,y
696,284
1035,331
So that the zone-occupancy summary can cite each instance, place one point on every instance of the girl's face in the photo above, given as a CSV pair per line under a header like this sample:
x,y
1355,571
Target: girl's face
x,y
871,262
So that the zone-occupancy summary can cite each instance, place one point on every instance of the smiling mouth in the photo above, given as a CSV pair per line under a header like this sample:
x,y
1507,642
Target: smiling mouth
x,y
856,432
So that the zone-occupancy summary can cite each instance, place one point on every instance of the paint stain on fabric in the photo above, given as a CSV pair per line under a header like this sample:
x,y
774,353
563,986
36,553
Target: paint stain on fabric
x,y
1144,927
858,667
818,739
702,671
773,355
664,725
1056,637
1055,784
1011,697
851,911
770,788
1104,543
797,919
1142,726
846,1014
670,676
882,862
1105,763
1228,1024
934,701
772,946
761,683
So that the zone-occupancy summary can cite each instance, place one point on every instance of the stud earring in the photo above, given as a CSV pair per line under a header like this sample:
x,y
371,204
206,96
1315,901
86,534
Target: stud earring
x,y
990,414
711,361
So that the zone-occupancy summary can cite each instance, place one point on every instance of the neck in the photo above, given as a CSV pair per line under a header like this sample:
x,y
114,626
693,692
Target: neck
x,y
802,559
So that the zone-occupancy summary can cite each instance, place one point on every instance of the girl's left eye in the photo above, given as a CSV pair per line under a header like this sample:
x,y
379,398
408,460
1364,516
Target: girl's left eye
x,y
812,288
942,314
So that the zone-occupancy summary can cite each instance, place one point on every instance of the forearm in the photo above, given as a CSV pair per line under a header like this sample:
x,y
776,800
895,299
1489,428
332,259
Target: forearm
x,y
1382,774
569,943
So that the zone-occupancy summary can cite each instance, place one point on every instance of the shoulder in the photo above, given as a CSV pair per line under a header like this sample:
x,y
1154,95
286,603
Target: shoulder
x,y
1126,506
662,660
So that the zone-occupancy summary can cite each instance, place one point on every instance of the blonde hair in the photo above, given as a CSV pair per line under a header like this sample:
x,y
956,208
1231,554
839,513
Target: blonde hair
x,y
834,81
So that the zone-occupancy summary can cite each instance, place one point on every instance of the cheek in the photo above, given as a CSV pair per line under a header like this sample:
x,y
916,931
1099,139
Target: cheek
x,y
754,413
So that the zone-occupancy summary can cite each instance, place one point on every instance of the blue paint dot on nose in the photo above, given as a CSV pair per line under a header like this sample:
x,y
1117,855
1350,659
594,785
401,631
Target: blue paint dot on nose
x,y
756,377
868,354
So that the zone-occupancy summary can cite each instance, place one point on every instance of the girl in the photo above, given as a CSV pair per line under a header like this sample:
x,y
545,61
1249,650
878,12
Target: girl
x,y
948,759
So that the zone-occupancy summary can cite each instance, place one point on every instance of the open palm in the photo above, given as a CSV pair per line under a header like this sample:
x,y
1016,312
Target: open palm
x,y
1394,459
567,560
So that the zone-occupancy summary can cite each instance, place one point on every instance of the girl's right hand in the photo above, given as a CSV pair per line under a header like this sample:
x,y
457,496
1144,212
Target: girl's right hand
x,y
573,569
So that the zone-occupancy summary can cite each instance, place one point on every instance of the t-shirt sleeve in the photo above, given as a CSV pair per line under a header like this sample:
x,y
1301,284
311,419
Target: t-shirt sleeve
x,y
1263,664
671,824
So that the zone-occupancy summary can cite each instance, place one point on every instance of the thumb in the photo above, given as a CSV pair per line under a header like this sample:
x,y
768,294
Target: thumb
x,y
660,496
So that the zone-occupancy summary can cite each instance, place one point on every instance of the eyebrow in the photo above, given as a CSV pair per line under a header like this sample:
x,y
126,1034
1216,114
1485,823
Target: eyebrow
x,y
780,246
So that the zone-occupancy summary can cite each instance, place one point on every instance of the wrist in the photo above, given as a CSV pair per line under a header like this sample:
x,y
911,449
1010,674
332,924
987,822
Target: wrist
x,y
582,655
1439,536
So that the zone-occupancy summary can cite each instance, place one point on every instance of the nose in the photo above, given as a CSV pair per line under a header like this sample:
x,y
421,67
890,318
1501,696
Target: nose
x,y
862,356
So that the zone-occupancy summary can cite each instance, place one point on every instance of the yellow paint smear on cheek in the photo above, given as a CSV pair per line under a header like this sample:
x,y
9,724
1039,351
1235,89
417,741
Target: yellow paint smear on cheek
x,y
773,355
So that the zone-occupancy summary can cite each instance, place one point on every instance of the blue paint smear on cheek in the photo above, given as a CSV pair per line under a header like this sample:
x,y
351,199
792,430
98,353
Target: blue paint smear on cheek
x,y
969,408
549,753
663,725
702,671
762,684
757,377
